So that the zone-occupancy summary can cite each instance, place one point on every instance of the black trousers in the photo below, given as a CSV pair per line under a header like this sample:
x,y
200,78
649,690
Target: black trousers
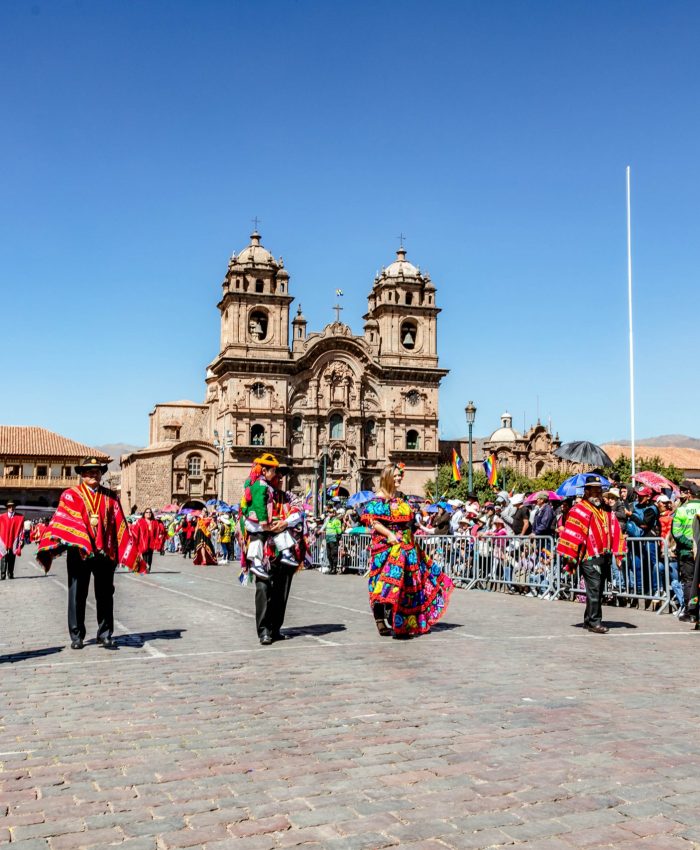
x,y
79,572
596,571
686,573
148,558
271,599
7,565
332,554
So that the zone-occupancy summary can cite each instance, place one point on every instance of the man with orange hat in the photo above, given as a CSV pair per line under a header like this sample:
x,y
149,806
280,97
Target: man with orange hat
x,y
90,525
261,519
11,539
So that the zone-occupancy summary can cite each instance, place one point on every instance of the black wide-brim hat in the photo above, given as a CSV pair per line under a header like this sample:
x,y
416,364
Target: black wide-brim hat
x,y
93,462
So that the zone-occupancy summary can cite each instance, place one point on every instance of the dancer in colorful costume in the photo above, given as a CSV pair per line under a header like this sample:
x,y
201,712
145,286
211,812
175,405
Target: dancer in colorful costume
x,y
591,538
204,554
90,525
11,539
406,588
146,533
266,514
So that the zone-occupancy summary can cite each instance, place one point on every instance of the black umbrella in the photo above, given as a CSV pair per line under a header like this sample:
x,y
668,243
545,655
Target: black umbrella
x,y
581,451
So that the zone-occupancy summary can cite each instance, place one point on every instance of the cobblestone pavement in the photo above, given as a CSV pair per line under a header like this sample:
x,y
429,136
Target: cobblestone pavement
x,y
508,726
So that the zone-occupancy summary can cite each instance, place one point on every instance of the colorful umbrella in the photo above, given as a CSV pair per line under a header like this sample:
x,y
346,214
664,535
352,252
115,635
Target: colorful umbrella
x,y
360,498
171,509
551,495
574,486
655,481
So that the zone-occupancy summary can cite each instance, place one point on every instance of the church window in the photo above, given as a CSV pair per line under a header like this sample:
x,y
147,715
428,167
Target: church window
x,y
257,435
335,427
370,428
258,390
257,325
412,440
238,283
409,334
296,425
259,286
194,465
409,298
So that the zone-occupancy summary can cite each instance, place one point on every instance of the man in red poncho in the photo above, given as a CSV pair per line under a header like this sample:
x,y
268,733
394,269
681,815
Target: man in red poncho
x,y
90,524
11,540
591,538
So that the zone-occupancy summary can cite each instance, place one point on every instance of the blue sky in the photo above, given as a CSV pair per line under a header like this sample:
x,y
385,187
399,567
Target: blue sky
x,y
140,139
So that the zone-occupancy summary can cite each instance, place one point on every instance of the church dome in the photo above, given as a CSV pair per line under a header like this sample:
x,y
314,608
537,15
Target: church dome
x,y
255,253
401,267
506,433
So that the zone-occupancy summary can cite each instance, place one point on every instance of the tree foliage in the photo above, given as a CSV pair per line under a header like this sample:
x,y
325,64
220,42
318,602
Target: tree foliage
x,y
623,467
510,480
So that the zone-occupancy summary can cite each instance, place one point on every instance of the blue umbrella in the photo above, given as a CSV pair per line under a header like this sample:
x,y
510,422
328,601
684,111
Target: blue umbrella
x,y
360,498
574,486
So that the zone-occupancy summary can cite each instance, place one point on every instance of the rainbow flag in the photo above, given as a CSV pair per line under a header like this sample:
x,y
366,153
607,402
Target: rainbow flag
x,y
491,469
456,466
308,494
334,489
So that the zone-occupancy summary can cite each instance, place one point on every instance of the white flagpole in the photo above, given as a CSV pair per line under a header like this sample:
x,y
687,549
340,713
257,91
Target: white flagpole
x,y
631,332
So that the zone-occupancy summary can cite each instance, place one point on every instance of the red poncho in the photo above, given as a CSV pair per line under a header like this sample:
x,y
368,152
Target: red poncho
x,y
588,532
146,533
71,526
11,534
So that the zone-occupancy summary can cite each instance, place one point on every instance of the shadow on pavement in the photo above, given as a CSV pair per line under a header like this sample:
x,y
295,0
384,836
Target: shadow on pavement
x,y
444,627
317,630
20,578
137,639
611,624
26,654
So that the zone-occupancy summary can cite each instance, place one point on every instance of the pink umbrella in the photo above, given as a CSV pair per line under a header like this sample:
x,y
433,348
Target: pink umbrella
x,y
551,495
655,481
170,509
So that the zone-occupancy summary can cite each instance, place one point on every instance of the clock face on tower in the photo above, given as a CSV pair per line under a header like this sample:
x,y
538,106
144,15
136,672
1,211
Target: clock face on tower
x,y
258,390
413,398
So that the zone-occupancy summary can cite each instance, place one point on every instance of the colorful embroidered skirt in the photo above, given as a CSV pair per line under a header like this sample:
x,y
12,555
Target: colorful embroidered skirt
x,y
406,580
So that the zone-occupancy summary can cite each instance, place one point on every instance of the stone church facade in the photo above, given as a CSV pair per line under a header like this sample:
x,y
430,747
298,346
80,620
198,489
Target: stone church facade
x,y
325,402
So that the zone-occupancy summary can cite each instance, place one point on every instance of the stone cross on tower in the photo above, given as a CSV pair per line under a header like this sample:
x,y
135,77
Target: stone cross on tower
x,y
256,221
401,239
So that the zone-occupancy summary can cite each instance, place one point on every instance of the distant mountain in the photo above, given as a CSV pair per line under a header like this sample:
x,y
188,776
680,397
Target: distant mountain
x,y
115,450
679,441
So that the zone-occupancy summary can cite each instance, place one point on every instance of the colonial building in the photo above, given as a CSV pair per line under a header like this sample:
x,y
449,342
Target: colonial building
x,y
335,406
530,454
36,465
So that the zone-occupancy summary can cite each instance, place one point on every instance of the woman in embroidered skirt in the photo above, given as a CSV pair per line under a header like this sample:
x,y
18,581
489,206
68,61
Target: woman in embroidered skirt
x,y
204,553
405,587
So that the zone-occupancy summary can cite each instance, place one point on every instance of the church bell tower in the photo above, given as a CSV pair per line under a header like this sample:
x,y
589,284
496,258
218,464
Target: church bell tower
x,y
255,304
401,315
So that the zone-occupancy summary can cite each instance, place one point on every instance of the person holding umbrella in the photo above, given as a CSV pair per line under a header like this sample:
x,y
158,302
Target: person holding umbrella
x,y
590,539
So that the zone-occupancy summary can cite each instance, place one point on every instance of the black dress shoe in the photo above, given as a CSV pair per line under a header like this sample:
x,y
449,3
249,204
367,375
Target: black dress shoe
x,y
599,630
107,642
77,644
278,636
266,639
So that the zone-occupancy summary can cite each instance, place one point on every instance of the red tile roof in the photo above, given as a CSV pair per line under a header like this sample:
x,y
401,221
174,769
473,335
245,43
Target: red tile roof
x,y
28,441
686,459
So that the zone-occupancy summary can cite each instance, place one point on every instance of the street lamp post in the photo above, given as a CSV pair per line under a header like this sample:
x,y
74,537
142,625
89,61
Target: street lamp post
x,y
470,411
324,450
221,446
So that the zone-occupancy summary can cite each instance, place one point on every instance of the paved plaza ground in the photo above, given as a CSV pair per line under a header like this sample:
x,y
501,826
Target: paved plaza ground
x,y
508,726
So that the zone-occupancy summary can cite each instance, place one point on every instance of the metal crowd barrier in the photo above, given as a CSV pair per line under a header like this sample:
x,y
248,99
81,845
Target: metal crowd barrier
x,y
525,564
